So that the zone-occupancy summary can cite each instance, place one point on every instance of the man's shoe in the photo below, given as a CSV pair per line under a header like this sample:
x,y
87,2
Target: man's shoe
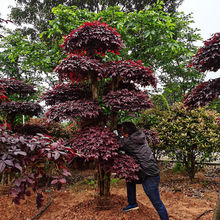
x,y
130,207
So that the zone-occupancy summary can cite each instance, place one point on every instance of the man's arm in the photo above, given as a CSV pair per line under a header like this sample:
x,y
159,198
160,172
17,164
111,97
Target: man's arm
x,y
124,146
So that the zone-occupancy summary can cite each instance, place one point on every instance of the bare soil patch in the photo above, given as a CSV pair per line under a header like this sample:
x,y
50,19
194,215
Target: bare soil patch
x,y
183,200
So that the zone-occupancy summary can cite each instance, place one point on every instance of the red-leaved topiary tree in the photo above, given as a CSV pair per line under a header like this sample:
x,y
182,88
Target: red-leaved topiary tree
x,y
207,59
99,93
13,108
28,159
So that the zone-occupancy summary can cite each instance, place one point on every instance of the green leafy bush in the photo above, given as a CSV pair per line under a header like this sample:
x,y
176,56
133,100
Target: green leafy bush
x,y
160,102
148,120
190,136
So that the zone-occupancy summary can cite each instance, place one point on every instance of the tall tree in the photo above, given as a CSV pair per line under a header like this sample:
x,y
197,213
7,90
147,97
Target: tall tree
x,y
25,60
99,93
207,59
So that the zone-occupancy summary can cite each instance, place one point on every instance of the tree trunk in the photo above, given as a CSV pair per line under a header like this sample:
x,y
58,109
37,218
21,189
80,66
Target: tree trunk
x,y
10,119
114,120
114,115
103,181
94,86
216,215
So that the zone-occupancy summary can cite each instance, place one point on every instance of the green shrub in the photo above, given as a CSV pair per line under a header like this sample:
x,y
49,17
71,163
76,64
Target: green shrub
x,y
178,168
190,136
149,119
160,102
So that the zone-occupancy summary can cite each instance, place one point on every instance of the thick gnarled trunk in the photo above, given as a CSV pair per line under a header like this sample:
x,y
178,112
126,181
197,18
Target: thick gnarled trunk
x,y
102,181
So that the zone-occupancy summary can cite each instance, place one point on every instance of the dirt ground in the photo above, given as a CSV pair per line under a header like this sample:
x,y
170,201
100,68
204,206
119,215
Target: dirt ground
x,y
183,200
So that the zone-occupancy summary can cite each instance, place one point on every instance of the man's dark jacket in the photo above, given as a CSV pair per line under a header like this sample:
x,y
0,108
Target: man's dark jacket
x,y
136,145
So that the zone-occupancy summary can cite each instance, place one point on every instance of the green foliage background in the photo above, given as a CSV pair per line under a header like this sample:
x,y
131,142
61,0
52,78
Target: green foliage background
x,y
189,136
163,40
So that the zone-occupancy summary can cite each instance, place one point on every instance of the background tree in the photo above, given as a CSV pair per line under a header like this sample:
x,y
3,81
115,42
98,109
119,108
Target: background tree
x,y
207,59
38,13
25,60
155,32
189,136
2,21
98,95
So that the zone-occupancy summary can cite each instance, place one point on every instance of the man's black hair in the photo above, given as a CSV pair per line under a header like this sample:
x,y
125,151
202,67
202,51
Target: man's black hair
x,y
129,127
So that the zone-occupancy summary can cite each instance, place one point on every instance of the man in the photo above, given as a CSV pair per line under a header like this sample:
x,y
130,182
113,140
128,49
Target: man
x,y
134,143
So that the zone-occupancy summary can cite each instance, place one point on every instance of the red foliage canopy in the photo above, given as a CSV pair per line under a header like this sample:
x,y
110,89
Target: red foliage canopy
x,y
73,110
132,71
126,100
66,92
203,94
12,86
101,145
92,37
125,167
77,67
121,85
21,108
96,143
208,57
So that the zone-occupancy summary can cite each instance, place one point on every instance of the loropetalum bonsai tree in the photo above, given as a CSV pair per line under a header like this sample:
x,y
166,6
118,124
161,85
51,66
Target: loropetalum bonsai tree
x,y
207,59
10,108
96,95
27,159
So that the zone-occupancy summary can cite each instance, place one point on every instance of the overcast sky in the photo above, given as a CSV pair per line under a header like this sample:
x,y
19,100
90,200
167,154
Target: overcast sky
x,y
205,14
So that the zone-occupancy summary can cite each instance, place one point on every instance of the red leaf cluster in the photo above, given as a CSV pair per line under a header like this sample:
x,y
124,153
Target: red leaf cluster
x,y
208,57
125,167
21,108
73,110
132,71
77,68
25,158
203,94
66,92
92,37
12,86
96,143
126,100
3,96
152,137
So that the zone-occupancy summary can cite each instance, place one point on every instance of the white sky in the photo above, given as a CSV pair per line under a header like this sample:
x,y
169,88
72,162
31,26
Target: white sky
x,y
205,14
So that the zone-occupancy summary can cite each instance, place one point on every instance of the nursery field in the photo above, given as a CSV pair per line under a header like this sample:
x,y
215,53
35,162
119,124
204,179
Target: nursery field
x,y
183,200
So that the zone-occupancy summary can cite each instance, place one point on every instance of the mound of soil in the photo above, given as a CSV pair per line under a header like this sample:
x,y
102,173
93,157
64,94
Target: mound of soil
x,y
111,210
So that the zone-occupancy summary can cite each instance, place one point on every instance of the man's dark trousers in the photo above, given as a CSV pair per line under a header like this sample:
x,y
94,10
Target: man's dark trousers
x,y
151,188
